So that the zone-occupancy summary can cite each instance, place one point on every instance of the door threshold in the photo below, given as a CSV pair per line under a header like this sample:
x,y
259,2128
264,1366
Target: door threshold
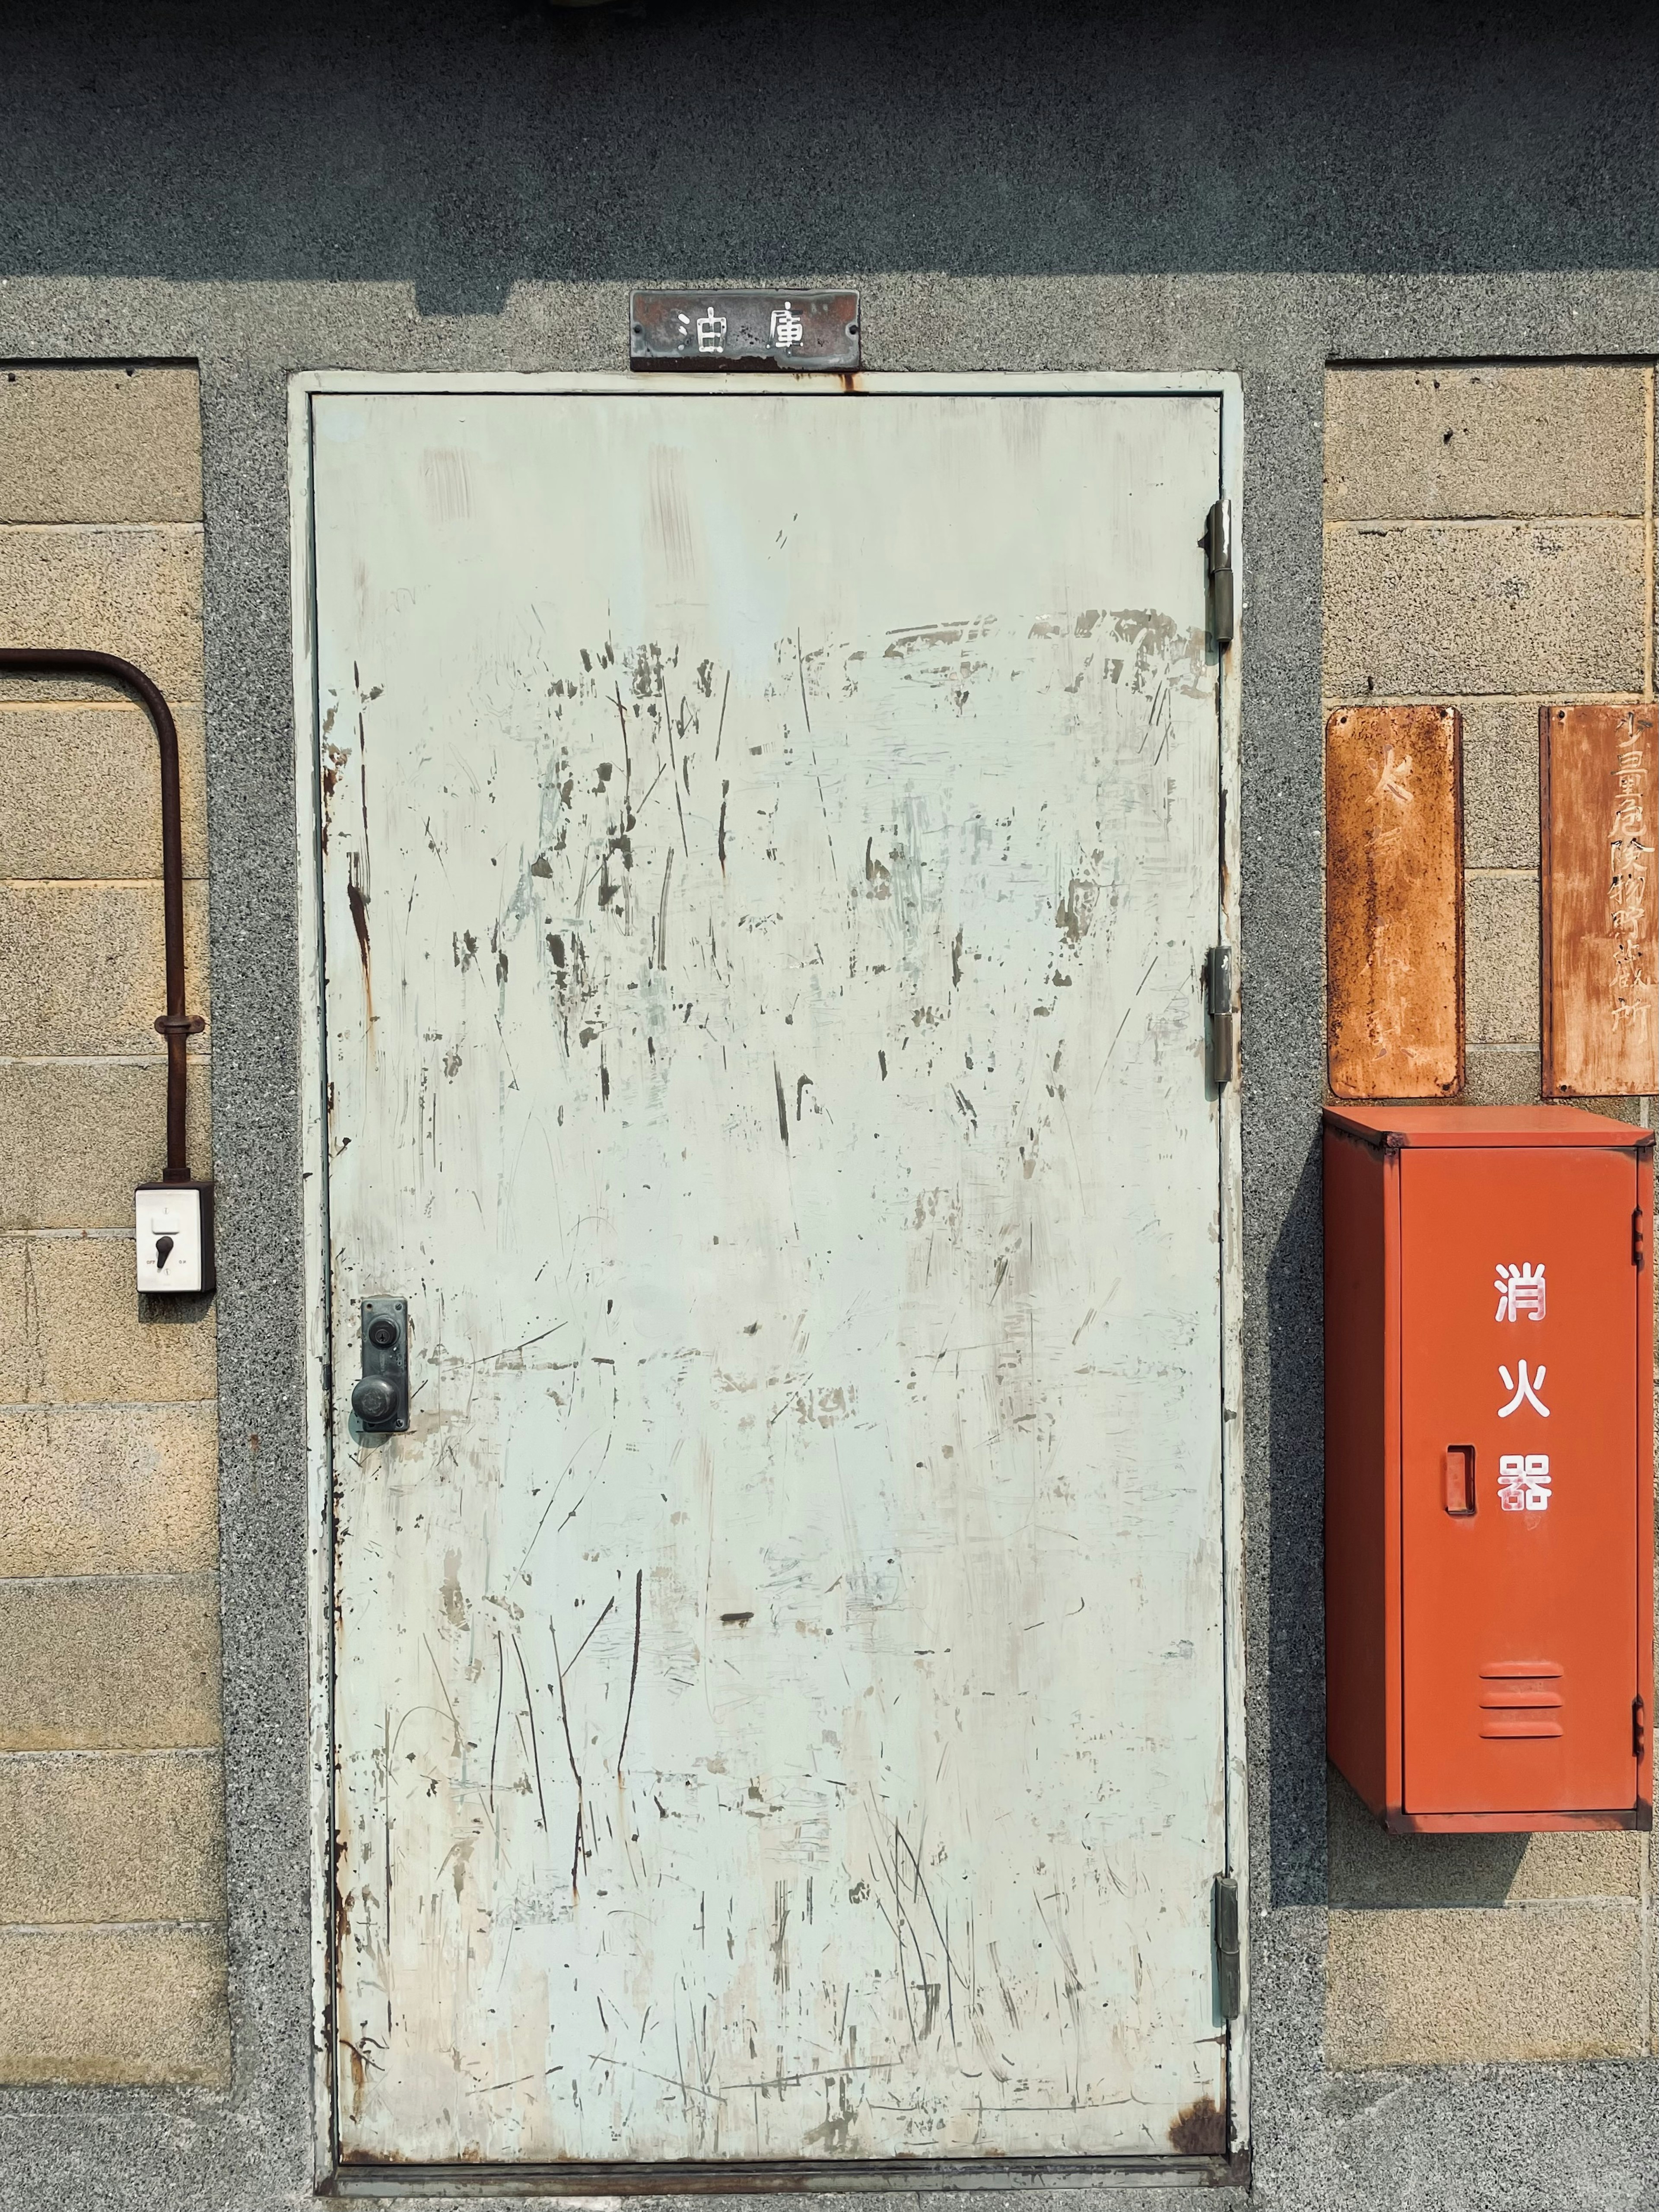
x,y
798,2176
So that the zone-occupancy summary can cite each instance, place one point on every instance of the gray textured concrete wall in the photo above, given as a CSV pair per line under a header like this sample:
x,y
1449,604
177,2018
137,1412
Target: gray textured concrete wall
x,y
1046,187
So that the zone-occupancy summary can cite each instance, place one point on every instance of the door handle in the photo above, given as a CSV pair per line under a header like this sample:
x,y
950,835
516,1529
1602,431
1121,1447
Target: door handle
x,y
380,1398
1460,1480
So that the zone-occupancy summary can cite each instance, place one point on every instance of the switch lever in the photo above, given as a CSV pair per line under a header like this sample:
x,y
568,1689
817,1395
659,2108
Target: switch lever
x,y
1460,1480
172,1241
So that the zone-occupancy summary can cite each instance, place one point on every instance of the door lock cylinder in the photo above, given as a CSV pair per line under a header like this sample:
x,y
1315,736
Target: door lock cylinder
x,y
380,1398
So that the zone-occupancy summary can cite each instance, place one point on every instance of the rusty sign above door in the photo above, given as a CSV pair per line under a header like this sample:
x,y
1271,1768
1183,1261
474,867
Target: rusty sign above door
x,y
744,330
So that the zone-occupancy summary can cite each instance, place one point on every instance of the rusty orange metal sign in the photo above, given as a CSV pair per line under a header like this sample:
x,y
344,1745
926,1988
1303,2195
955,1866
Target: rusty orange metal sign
x,y
1601,903
1394,902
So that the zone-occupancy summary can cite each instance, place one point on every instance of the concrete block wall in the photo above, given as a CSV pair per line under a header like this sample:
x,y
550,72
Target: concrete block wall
x,y
111,1820
1489,544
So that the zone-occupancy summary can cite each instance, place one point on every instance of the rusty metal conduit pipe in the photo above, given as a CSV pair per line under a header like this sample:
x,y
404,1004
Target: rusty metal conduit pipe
x,y
175,1025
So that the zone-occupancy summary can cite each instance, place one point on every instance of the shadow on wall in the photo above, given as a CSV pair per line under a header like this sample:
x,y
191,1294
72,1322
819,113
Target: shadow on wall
x,y
1296,1548
1369,1867
463,149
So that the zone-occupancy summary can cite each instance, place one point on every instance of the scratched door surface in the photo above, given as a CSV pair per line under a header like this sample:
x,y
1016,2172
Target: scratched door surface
x,y
770,848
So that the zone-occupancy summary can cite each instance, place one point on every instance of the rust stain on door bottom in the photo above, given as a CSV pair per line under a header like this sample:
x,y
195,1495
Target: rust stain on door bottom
x,y
1199,2128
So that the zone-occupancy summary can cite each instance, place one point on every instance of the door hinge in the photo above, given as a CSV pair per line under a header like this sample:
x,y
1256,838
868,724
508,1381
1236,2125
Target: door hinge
x,y
1227,1966
1218,543
1637,1734
1639,1238
1218,1003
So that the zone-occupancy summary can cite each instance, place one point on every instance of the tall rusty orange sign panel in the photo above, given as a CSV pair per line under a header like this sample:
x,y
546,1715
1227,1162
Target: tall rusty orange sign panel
x,y
1394,902
1599,819
1488,1465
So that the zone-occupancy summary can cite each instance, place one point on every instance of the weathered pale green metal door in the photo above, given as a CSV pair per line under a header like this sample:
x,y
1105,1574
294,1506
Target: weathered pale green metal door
x,y
770,849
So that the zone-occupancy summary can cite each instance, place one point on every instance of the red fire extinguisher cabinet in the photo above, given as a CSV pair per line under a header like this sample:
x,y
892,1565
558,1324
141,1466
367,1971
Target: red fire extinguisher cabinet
x,y
1488,1465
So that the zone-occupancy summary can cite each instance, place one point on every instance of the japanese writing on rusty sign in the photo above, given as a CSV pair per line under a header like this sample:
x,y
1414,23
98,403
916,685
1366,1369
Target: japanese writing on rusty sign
x,y
786,331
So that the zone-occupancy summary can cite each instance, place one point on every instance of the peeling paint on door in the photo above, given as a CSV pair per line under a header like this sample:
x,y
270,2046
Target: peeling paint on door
x,y
779,1675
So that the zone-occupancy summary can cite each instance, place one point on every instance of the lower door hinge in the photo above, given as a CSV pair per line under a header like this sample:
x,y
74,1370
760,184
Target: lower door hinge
x,y
1218,1003
1218,541
1637,1740
1228,1972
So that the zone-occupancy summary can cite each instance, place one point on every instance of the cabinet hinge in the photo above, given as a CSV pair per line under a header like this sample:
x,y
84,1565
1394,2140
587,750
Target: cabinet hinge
x,y
1227,1968
1639,1238
1638,1737
1219,1004
1219,558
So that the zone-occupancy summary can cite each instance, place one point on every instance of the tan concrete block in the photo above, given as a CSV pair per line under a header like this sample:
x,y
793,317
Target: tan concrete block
x,y
1500,957
1451,609
1596,1864
1454,1987
111,1835
115,1663
82,967
72,1331
1500,784
1540,440
77,1136
81,791
1616,1110
1369,1867
1501,1075
109,1490
101,444
133,592
114,2004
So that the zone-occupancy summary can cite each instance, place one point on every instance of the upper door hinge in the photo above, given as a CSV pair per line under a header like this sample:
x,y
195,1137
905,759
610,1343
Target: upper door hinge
x,y
1218,543
1228,1968
1639,1237
1218,1003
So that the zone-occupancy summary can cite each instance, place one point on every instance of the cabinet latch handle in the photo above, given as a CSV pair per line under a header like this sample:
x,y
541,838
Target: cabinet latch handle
x,y
1460,1480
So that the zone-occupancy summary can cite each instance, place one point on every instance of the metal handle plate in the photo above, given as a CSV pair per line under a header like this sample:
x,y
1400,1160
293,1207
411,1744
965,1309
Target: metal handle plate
x,y
381,1397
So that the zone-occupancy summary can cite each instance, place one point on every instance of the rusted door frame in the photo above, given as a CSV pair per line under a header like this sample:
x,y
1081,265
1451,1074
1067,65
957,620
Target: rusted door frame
x,y
1226,390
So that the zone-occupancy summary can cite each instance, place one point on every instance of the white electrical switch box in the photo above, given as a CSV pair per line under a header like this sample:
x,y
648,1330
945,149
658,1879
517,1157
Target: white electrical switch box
x,y
175,1237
